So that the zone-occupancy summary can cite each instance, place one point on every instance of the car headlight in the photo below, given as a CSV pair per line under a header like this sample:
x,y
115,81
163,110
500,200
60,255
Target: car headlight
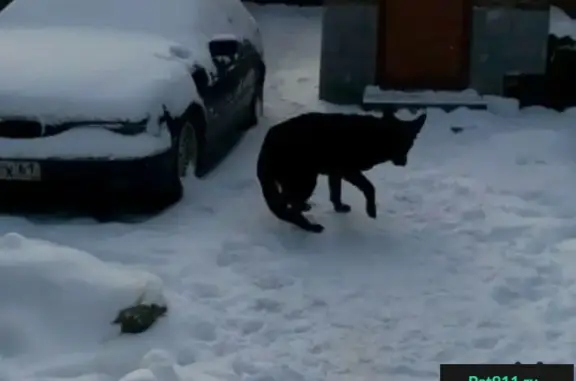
x,y
128,128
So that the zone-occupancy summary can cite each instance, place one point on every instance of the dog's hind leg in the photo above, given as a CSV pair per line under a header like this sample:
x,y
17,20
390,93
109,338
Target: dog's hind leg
x,y
335,187
270,176
278,205
297,190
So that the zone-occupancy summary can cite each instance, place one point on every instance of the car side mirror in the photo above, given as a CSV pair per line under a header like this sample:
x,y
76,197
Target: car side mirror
x,y
224,50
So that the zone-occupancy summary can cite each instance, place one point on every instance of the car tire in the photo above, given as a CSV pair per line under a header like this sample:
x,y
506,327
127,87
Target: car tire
x,y
255,111
186,154
187,150
256,107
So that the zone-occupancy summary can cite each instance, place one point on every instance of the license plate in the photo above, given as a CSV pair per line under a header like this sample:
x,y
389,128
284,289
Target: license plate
x,y
20,171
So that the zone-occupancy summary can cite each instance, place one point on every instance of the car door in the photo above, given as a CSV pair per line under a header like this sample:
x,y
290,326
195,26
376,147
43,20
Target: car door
x,y
219,93
225,54
240,82
228,23
210,89
248,79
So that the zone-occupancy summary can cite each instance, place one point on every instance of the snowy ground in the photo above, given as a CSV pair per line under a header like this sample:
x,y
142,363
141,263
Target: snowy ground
x,y
468,261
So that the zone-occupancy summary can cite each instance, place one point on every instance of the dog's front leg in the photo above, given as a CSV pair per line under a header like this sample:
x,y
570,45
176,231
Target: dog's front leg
x,y
335,187
365,186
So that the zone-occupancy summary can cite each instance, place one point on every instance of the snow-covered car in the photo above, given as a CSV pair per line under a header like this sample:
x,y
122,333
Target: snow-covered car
x,y
124,94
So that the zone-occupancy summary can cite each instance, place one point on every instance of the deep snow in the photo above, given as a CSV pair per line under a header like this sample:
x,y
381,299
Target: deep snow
x,y
40,281
469,259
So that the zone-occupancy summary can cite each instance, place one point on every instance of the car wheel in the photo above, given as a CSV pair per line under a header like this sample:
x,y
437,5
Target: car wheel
x,y
185,159
187,150
256,108
255,111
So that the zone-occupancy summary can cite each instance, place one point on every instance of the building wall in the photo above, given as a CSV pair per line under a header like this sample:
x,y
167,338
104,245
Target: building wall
x,y
507,39
349,48
507,36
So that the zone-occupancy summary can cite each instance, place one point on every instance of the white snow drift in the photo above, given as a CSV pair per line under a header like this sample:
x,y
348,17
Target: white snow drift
x,y
58,299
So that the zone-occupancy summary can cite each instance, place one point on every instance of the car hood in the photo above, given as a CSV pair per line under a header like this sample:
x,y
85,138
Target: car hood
x,y
59,74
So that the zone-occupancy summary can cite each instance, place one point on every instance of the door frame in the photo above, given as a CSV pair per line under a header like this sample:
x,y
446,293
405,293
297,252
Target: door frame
x,y
463,82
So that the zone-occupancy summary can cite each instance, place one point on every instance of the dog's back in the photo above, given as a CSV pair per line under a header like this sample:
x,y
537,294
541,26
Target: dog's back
x,y
323,142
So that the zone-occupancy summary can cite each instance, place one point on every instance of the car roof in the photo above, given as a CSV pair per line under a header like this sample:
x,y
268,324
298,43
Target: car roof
x,y
177,20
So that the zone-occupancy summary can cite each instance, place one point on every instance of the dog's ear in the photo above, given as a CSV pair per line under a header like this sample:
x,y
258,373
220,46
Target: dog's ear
x,y
418,123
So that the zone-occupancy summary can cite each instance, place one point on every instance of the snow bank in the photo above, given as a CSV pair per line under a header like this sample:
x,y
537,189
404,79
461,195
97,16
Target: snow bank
x,y
561,25
158,365
59,300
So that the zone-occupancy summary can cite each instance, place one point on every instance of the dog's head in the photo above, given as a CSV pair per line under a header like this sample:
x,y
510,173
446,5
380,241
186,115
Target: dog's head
x,y
404,133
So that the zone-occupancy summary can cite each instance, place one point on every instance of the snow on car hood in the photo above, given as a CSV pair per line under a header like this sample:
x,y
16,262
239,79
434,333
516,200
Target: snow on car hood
x,y
58,74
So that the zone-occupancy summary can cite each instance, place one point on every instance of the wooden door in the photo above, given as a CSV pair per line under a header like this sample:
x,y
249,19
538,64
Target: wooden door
x,y
424,44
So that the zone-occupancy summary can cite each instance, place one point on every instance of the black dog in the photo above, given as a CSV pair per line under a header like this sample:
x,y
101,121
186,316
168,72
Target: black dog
x,y
297,150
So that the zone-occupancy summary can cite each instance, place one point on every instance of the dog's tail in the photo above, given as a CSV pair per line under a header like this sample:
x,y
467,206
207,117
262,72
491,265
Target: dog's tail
x,y
266,172
268,167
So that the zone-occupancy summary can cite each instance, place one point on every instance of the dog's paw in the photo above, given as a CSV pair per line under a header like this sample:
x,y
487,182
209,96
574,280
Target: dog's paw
x,y
301,207
314,228
371,210
342,208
